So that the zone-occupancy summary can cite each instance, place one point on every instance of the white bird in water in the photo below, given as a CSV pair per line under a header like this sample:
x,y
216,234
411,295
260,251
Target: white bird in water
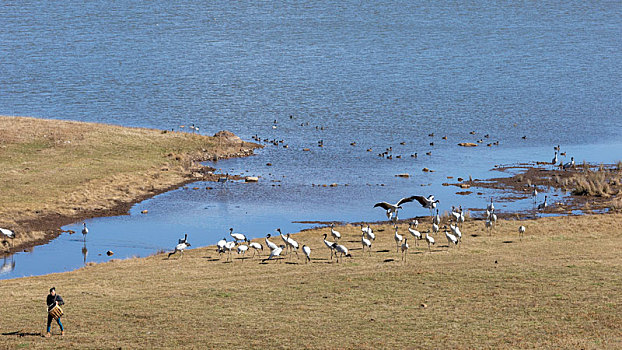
x,y
393,208
521,232
330,246
342,250
85,230
543,205
275,253
366,243
534,194
179,248
429,239
335,234
270,244
398,239
416,234
307,251
404,249
237,236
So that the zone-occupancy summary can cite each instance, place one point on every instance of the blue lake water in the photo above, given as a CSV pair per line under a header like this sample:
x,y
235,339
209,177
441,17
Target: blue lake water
x,y
378,74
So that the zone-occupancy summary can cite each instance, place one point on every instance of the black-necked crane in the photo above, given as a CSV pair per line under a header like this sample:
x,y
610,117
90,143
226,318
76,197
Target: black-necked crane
x,y
544,204
307,251
435,228
455,214
534,194
455,230
270,244
366,243
398,239
275,253
179,248
220,246
569,164
284,238
450,239
335,234
488,224
85,230
393,208
404,249
416,234
242,249
237,237
554,161
490,207
6,233
292,244
229,247
429,239
429,203
368,232
461,219
257,248
330,246
436,219
521,232
342,250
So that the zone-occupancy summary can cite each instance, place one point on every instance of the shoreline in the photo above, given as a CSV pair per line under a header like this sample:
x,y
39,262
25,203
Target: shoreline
x,y
116,193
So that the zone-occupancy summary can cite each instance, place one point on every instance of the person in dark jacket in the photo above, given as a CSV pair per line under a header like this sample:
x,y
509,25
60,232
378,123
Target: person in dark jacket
x,y
54,299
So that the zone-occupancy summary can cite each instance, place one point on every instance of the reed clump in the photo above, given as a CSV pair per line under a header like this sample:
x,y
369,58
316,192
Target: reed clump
x,y
602,182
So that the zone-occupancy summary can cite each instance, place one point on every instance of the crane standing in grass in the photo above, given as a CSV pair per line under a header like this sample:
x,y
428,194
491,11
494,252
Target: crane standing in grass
x,y
521,232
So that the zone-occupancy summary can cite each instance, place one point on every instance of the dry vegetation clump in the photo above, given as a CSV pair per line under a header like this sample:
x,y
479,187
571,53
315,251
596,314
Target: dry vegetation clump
x,y
603,182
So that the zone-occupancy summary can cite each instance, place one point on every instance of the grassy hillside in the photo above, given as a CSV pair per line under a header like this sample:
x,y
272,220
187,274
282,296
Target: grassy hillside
x,y
52,169
557,288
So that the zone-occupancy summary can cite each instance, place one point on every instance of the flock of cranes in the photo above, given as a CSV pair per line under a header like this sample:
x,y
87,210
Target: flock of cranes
x,y
240,244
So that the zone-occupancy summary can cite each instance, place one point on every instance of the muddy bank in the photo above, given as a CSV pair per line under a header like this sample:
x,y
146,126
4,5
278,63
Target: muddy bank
x,y
588,188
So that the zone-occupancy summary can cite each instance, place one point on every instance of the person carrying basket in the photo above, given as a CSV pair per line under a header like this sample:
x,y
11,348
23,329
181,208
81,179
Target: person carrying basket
x,y
54,311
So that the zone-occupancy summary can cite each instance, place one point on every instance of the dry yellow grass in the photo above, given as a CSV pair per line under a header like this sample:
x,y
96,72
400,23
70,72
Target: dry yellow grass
x,y
53,168
557,288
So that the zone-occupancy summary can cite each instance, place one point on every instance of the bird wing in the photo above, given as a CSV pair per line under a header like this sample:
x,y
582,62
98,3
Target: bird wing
x,y
383,205
422,200
406,200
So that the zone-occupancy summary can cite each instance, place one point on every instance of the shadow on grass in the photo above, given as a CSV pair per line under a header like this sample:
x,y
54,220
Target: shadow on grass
x,y
388,260
506,242
383,251
21,333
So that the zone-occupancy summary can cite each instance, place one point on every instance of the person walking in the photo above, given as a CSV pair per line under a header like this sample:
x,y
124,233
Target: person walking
x,y
52,301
